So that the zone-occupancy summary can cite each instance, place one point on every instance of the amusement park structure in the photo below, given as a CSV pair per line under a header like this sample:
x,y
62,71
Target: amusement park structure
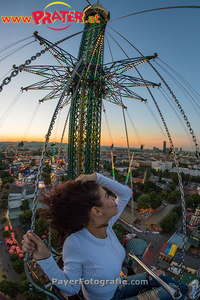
x,y
84,83
93,81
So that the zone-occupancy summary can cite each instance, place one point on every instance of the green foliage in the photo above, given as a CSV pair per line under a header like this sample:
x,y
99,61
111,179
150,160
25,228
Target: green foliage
x,y
136,195
4,204
178,210
108,167
172,197
25,217
153,171
7,186
140,185
64,178
135,173
119,231
23,277
196,179
9,288
175,178
46,178
13,256
25,205
24,286
32,164
4,197
156,202
5,193
144,201
188,202
196,199
169,222
6,234
152,194
119,227
5,174
41,226
172,186
150,186
54,238
186,178
160,176
119,176
11,179
31,296
47,169
4,220
18,266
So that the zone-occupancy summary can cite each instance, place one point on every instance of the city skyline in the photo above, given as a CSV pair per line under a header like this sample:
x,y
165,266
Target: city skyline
x,y
165,32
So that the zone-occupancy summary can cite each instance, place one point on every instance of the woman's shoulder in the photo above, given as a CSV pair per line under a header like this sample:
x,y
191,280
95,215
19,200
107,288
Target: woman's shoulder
x,y
73,239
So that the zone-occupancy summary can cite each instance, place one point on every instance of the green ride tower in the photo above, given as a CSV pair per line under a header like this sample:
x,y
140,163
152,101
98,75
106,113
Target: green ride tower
x,y
87,90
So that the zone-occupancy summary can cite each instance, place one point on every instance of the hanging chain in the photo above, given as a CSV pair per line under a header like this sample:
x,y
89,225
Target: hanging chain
x,y
181,110
59,150
180,183
16,70
131,179
48,136
179,106
175,160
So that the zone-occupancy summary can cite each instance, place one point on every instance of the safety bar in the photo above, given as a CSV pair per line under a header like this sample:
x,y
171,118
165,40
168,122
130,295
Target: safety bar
x,y
174,293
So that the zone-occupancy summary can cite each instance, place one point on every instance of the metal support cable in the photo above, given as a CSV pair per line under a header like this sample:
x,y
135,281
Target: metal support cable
x,y
163,92
182,88
14,44
110,135
154,9
181,110
31,121
139,140
177,102
131,178
176,163
3,118
181,77
59,104
16,70
15,50
129,155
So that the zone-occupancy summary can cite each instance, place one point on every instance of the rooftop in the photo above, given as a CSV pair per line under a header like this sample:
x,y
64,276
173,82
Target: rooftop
x,y
157,217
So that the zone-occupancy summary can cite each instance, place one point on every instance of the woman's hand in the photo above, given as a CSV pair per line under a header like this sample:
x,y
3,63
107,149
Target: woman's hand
x,y
33,244
84,177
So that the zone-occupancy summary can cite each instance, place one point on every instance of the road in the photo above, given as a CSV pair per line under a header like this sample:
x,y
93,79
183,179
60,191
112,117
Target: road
x,y
5,263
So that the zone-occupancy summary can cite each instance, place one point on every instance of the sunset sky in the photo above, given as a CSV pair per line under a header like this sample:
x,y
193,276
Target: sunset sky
x,y
173,34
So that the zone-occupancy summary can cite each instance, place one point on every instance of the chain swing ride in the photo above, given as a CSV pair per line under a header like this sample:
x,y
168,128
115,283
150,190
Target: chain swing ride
x,y
83,83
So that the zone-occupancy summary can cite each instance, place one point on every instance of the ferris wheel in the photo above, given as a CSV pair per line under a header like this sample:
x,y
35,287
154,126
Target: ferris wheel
x,y
83,83
11,152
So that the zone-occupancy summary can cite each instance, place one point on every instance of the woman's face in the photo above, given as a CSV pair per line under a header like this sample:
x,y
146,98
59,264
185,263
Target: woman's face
x,y
109,207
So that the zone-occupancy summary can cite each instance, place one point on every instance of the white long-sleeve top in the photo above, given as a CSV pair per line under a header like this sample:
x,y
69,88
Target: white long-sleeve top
x,y
91,258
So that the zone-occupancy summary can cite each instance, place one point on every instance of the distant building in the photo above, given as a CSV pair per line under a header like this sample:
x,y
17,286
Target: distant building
x,y
181,150
186,171
156,219
164,146
159,165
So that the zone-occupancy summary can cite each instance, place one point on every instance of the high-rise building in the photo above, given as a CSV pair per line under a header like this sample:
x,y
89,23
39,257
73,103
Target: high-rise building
x,y
164,146
181,150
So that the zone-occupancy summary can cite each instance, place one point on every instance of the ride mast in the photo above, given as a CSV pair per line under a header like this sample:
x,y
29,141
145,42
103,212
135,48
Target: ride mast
x,y
86,106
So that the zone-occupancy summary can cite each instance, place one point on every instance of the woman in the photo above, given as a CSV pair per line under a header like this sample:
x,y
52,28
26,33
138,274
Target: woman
x,y
83,214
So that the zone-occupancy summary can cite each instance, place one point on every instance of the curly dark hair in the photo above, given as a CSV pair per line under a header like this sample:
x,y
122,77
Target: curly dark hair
x,y
68,206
